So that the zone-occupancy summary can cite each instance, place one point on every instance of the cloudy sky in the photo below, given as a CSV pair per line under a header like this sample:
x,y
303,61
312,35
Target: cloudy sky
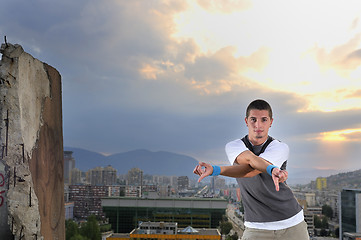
x,y
177,75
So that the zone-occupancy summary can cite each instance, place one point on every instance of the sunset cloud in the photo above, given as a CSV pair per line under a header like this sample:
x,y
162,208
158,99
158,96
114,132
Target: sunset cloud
x,y
342,136
225,6
343,57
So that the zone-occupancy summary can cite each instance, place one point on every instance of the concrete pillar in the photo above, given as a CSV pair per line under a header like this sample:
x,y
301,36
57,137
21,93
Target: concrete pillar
x,y
31,148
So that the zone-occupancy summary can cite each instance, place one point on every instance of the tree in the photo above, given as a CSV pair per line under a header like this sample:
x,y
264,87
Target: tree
x,y
90,229
232,237
321,222
105,227
226,227
324,222
327,211
78,237
323,232
71,229
317,221
121,192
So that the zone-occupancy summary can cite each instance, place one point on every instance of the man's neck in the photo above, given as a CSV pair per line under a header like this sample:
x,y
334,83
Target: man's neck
x,y
258,141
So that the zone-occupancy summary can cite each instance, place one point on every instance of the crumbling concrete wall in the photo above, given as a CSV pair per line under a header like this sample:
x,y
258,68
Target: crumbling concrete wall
x,y
31,167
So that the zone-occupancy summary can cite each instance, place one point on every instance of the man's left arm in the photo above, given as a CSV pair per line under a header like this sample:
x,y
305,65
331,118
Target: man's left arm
x,y
260,164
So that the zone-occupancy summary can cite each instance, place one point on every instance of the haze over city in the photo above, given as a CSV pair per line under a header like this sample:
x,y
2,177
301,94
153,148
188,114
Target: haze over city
x,y
177,75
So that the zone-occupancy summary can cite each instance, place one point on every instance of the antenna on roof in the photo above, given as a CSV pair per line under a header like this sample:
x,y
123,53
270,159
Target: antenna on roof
x,y
6,43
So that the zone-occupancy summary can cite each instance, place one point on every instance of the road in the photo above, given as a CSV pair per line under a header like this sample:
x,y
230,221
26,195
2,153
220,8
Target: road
x,y
236,222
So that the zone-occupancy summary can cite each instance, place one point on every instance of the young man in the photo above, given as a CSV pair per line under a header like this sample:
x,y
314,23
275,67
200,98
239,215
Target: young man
x,y
259,163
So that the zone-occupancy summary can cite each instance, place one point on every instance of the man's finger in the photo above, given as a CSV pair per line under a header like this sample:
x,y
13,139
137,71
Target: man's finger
x,y
286,175
196,170
283,176
203,164
202,176
276,182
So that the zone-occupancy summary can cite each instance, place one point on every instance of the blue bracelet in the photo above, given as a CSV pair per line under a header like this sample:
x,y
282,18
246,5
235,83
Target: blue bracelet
x,y
270,168
216,170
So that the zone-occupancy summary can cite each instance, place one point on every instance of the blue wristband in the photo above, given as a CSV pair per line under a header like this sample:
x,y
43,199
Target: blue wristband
x,y
270,168
216,170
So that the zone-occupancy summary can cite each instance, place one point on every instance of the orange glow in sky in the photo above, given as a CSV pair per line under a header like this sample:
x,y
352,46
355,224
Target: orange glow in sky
x,y
343,135
324,68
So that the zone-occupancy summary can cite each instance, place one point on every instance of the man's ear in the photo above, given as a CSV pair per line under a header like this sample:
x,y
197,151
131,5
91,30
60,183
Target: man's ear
x,y
246,121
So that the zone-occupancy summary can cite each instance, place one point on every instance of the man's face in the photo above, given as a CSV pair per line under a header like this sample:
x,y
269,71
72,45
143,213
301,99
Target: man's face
x,y
258,123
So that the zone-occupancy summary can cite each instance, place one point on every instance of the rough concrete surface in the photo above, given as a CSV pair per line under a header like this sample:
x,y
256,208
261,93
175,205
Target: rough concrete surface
x,y
31,168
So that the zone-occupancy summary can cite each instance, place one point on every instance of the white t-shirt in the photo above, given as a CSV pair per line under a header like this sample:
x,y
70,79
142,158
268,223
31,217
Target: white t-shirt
x,y
259,199
277,152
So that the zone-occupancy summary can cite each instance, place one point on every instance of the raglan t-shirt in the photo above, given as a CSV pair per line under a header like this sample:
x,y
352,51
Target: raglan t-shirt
x,y
264,207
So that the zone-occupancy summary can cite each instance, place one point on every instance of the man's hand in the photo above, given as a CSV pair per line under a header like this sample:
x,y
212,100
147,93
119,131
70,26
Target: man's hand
x,y
203,172
279,176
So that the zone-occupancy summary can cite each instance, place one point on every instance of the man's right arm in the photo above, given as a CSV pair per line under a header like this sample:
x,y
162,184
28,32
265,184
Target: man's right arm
x,y
236,171
255,163
234,151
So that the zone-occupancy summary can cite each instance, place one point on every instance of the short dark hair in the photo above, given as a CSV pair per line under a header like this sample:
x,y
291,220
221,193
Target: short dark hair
x,y
259,104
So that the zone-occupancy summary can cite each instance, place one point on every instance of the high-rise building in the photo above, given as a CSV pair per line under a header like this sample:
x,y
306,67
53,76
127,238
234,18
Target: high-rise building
x,y
135,177
310,199
109,176
217,183
173,181
220,183
102,176
183,183
87,200
321,183
350,211
333,202
95,176
75,176
69,164
161,180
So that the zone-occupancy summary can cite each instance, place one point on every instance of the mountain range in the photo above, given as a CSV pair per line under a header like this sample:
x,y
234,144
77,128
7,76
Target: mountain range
x,y
169,164
152,163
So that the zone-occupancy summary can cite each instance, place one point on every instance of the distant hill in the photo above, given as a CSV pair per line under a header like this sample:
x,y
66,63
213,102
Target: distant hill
x,y
341,180
304,176
345,180
153,163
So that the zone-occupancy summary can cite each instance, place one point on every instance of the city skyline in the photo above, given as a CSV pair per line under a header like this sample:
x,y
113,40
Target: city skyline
x,y
177,75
